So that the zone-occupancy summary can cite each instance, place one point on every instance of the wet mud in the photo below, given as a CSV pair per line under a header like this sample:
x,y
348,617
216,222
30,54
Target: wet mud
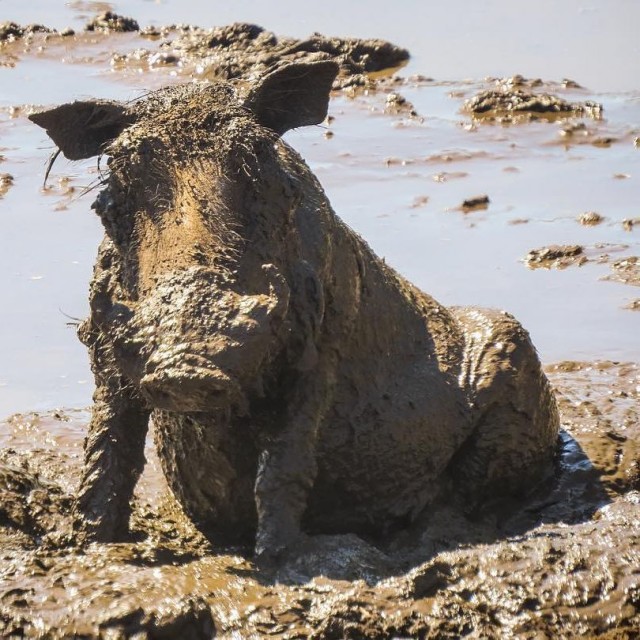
x,y
246,50
518,99
239,51
556,257
6,182
625,270
565,563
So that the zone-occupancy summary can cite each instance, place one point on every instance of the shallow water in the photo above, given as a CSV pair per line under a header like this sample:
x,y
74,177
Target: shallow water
x,y
398,181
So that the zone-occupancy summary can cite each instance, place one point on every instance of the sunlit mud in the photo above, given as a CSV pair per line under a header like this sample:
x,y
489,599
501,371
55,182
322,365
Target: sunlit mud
x,y
564,564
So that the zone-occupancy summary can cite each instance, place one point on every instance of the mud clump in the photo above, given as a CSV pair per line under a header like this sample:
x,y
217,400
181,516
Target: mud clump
x,y
109,22
6,182
397,104
244,50
590,218
476,203
626,271
628,224
562,563
634,305
515,100
10,31
556,256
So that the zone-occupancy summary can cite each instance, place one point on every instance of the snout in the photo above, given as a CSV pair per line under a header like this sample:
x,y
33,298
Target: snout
x,y
190,387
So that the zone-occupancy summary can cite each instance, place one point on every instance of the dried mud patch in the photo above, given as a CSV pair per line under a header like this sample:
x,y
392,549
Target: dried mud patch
x,y
564,564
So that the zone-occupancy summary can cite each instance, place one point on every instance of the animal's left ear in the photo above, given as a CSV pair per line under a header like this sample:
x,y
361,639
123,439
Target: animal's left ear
x,y
293,96
82,129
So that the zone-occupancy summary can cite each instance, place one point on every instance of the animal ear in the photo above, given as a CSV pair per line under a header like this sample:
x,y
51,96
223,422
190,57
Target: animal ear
x,y
82,129
294,95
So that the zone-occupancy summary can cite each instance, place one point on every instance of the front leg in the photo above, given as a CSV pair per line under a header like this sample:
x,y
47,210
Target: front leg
x,y
113,448
287,469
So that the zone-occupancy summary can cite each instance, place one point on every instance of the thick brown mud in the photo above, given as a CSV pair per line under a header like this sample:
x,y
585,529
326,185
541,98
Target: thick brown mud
x,y
564,564
239,51
519,99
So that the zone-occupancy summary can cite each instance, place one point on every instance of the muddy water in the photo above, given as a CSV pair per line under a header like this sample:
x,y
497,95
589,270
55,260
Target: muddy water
x,y
563,565
398,180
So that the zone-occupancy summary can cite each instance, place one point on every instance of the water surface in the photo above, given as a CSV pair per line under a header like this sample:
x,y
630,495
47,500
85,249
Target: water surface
x,y
398,181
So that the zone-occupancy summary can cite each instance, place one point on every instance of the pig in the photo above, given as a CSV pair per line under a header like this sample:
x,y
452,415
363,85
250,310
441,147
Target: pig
x,y
297,384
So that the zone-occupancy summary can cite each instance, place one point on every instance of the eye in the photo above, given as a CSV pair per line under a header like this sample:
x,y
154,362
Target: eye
x,y
118,223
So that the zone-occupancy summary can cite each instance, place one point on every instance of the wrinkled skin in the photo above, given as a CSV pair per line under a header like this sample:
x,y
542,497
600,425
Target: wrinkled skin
x,y
296,382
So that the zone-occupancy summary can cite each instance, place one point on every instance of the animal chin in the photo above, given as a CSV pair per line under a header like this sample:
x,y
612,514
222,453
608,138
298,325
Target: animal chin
x,y
190,389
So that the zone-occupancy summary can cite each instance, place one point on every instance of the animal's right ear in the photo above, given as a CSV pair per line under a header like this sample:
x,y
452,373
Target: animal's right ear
x,y
293,95
82,129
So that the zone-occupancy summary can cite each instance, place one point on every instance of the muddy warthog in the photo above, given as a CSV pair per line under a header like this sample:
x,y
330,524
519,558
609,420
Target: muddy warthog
x,y
296,382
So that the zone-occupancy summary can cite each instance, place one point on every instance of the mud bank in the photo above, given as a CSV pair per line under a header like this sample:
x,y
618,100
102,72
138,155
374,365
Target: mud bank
x,y
239,51
563,565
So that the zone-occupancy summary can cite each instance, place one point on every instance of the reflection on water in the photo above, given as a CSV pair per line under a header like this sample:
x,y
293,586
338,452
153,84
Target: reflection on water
x,y
397,180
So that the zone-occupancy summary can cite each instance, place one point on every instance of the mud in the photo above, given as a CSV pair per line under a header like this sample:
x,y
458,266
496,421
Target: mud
x,y
515,100
109,21
476,203
590,218
237,52
556,257
10,31
628,224
245,51
6,182
624,270
634,305
563,564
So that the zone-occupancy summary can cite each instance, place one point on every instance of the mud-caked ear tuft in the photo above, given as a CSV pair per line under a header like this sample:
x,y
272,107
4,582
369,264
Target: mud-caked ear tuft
x,y
294,95
82,129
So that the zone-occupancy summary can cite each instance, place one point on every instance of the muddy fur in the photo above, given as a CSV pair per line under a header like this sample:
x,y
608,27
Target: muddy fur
x,y
297,384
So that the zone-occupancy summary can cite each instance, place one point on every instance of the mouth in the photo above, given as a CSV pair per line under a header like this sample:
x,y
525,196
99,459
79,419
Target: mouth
x,y
189,388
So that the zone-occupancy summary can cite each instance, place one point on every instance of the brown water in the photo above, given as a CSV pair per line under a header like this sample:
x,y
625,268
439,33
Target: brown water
x,y
396,180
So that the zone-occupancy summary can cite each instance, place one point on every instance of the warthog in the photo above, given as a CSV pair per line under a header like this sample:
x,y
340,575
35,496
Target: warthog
x,y
295,381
